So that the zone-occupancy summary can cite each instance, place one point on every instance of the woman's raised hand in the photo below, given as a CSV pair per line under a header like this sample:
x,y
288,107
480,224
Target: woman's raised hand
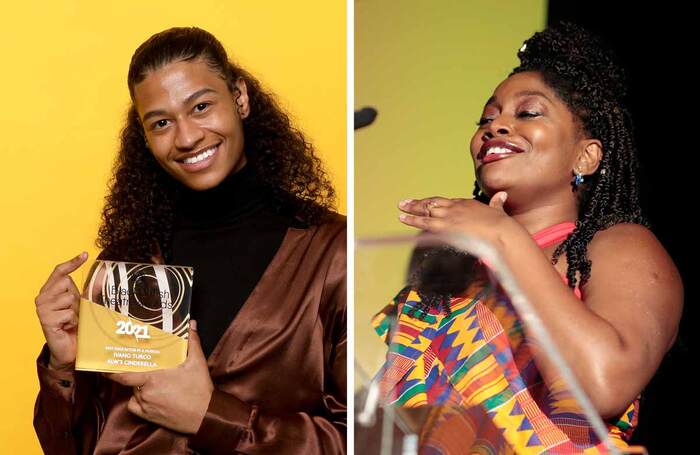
x,y
469,216
57,306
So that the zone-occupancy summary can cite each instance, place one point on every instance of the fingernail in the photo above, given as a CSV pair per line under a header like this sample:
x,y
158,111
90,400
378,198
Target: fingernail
x,y
405,202
403,217
83,255
193,324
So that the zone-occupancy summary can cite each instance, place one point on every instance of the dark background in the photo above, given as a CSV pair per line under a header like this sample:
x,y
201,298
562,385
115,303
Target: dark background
x,y
653,42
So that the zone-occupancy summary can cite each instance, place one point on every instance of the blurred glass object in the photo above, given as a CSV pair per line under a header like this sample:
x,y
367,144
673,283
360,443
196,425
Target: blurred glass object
x,y
458,361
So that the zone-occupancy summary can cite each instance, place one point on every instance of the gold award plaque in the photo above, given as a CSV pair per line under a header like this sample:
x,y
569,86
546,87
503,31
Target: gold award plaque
x,y
134,317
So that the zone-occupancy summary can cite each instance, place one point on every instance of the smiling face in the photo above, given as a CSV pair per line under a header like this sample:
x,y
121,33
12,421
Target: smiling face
x,y
545,129
192,122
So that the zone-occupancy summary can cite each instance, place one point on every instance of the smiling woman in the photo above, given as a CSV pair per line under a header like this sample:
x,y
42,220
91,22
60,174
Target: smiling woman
x,y
612,304
547,144
211,174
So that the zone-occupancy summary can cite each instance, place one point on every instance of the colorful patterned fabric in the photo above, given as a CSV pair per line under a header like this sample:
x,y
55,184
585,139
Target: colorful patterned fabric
x,y
477,370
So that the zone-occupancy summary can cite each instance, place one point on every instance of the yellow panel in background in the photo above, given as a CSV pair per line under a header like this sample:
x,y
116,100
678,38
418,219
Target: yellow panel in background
x,y
65,98
428,68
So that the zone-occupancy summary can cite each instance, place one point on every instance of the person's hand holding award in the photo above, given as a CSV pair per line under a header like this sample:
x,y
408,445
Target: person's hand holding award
x,y
57,306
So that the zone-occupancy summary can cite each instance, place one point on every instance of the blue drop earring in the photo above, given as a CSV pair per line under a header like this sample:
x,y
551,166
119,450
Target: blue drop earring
x,y
577,180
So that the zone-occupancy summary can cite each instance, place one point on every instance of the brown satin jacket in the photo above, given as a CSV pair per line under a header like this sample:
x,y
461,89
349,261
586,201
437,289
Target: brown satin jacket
x,y
279,372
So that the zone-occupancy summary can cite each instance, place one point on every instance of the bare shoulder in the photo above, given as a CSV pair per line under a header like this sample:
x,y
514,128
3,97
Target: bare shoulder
x,y
630,266
635,245
622,234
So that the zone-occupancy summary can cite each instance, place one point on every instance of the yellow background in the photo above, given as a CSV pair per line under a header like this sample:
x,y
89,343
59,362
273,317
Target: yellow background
x,y
428,68
64,100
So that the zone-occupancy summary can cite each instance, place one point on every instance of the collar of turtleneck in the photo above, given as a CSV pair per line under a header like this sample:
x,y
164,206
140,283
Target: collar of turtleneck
x,y
237,196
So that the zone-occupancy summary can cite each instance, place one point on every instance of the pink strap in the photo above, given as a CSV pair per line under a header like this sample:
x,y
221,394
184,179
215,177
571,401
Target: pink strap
x,y
549,236
553,234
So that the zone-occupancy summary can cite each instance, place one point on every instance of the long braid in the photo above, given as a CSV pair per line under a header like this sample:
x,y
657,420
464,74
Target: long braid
x,y
583,71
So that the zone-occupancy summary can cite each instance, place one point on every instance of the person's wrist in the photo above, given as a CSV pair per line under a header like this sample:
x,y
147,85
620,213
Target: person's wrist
x,y
509,231
53,364
203,408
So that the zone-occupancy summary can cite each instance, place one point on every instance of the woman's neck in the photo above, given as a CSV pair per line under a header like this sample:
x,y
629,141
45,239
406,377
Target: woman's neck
x,y
538,216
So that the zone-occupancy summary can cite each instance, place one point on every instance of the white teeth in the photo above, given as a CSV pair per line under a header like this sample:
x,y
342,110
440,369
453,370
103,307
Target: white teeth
x,y
202,156
493,150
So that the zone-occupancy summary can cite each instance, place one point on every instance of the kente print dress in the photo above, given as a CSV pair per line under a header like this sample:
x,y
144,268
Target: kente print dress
x,y
475,367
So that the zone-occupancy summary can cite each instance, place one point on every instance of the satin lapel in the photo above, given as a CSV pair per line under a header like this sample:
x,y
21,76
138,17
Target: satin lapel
x,y
256,307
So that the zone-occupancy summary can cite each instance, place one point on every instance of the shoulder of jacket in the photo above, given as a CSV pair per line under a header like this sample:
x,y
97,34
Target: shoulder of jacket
x,y
336,221
335,226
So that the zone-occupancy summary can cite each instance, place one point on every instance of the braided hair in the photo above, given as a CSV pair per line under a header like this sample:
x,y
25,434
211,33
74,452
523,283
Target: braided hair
x,y
438,273
584,73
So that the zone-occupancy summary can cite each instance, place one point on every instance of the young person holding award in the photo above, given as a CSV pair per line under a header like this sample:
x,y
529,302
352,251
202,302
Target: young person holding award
x,y
211,174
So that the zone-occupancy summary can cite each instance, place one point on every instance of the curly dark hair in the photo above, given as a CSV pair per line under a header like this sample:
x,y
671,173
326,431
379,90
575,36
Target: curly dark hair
x,y
584,72
438,273
139,209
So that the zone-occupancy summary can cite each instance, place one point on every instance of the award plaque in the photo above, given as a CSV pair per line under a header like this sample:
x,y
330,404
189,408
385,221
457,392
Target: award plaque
x,y
134,317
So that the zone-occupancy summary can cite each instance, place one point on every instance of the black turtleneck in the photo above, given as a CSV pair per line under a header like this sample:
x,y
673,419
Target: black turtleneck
x,y
228,234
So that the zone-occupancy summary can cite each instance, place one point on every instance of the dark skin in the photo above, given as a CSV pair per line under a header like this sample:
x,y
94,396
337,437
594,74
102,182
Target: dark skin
x,y
186,123
615,338
176,123
187,119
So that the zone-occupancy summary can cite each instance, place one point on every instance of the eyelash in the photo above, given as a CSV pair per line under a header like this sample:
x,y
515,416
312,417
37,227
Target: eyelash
x,y
526,113
199,104
155,124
